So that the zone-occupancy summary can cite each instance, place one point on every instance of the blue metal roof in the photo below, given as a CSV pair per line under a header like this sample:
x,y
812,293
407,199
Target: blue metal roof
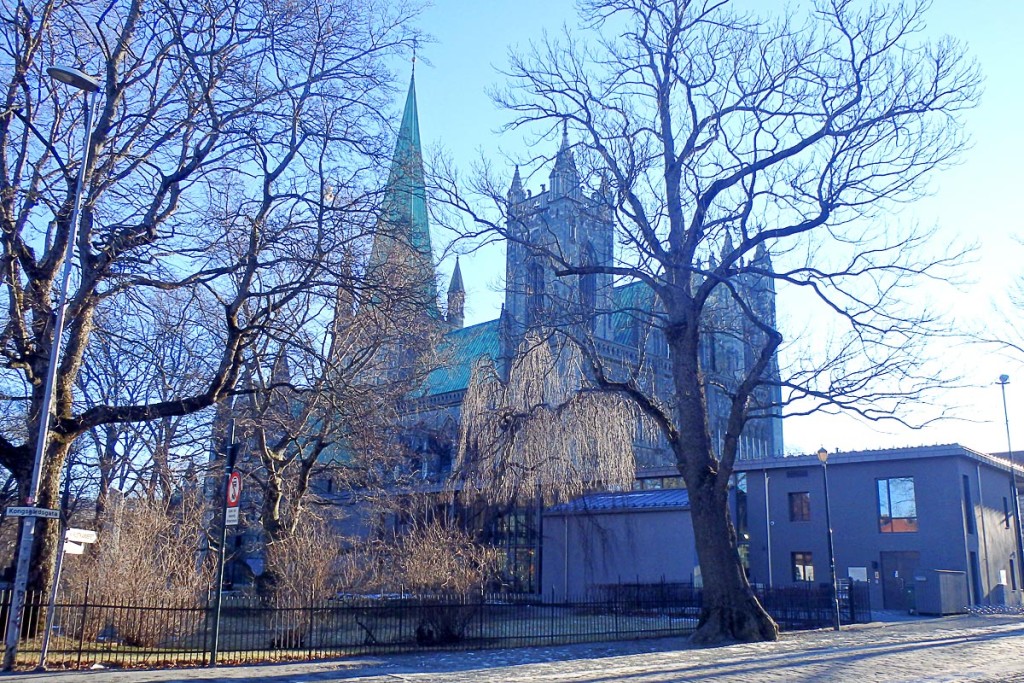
x,y
628,500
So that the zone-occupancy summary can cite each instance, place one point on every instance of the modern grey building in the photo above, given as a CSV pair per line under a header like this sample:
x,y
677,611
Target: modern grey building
x,y
898,516
614,538
905,520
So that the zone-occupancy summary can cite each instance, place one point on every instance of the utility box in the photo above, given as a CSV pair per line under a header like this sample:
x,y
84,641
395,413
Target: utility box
x,y
941,592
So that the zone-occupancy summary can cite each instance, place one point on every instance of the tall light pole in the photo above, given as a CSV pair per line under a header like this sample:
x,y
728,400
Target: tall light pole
x,y
88,85
1003,381
823,457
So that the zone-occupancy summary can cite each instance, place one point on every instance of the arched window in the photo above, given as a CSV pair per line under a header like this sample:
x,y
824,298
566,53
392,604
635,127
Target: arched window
x,y
588,283
534,293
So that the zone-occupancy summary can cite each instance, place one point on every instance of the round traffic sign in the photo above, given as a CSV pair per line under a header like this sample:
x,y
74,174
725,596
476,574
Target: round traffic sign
x,y
234,489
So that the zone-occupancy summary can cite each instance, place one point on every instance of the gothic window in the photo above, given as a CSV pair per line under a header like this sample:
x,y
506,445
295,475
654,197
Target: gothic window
x,y
588,287
534,293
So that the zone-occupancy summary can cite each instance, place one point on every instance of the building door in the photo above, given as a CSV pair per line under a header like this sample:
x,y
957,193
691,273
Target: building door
x,y
898,569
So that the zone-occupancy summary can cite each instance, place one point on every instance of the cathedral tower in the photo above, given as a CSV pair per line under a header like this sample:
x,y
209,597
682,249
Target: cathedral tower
x,y
560,227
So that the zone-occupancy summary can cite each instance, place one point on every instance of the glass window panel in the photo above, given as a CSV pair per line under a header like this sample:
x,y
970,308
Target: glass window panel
x,y
800,506
803,567
901,495
897,505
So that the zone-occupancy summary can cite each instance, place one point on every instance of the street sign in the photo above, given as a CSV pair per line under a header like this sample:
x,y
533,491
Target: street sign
x,y
73,548
234,489
29,511
81,535
231,516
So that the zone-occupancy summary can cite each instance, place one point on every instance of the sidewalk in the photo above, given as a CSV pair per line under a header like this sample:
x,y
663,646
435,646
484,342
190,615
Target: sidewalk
x,y
983,649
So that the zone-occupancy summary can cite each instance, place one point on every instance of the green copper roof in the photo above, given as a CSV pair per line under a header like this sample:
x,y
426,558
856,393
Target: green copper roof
x,y
458,353
629,303
404,228
461,348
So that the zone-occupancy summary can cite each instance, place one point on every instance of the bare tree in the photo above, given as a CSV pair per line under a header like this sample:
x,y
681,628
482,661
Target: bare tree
x,y
218,131
736,148
324,403
139,353
534,435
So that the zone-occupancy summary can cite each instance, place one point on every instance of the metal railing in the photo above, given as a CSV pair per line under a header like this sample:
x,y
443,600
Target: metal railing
x,y
154,633
793,607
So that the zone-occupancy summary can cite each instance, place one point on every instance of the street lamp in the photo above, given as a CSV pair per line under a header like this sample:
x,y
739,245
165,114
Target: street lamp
x,y
88,85
1003,381
823,457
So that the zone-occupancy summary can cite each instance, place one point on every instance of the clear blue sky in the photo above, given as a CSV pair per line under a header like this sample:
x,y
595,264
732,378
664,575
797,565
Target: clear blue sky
x,y
980,199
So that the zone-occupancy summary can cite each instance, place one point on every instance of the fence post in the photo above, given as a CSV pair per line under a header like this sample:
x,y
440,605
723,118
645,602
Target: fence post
x,y
309,632
850,602
81,628
615,609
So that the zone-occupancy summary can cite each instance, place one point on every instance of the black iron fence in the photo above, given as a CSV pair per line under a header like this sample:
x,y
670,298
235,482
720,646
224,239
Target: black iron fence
x,y
153,633
793,607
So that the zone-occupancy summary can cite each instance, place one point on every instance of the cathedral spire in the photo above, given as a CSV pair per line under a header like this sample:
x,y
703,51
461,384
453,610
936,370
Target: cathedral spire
x,y
515,193
456,283
281,372
762,263
402,246
565,179
456,298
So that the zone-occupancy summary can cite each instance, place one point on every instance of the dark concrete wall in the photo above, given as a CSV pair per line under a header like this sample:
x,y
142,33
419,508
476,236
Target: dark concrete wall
x,y
584,550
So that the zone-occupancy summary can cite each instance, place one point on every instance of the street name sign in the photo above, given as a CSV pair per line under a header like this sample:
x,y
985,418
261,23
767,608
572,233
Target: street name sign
x,y
31,511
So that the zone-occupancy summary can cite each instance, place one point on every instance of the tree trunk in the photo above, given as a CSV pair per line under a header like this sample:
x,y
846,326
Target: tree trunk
x,y
273,530
47,538
107,457
730,611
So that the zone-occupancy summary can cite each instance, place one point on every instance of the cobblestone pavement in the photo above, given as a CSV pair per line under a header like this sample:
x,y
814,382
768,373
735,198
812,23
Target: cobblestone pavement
x,y
982,649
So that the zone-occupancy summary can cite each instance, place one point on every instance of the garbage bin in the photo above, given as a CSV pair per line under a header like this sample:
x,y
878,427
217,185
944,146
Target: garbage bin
x,y
910,598
942,592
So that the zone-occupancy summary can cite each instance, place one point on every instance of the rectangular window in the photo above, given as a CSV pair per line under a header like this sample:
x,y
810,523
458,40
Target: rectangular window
x,y
1013,576
800,506
897,506
742,521
1006,512
803,567
968,505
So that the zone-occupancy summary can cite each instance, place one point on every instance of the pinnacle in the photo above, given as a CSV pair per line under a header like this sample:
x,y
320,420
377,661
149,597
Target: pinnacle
x,y
456,283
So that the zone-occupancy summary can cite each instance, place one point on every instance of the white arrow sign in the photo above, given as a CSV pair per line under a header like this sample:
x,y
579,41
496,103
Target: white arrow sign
x,y
73,548
81,535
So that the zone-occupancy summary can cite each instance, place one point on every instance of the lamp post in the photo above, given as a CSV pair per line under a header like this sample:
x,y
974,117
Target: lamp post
x,y
88,85
1003,381
823,457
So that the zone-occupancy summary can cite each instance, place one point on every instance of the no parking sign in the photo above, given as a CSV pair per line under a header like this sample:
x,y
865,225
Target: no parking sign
x,y
234,495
